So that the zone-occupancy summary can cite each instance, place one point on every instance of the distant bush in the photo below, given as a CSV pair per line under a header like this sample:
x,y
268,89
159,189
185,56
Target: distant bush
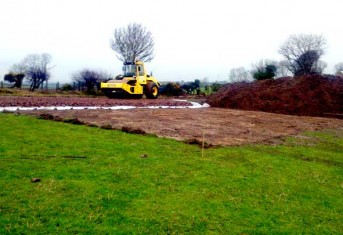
x,y
67,87
215,87
171,89
267,72
16,78
90,79
191,87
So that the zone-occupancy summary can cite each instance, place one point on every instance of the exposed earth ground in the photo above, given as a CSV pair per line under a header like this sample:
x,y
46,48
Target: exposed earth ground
x,y
209,126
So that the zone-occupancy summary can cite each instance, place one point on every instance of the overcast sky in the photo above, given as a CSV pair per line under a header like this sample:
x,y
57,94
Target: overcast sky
x,y
193,39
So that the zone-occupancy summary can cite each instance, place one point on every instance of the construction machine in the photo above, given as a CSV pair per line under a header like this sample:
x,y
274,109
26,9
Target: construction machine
x,y
132,84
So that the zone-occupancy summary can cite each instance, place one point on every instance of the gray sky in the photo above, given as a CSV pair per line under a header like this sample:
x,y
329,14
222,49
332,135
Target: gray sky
x,y
193,39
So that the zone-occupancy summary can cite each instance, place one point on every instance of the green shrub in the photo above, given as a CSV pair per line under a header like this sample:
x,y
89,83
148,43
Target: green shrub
x,y
171,89
67,87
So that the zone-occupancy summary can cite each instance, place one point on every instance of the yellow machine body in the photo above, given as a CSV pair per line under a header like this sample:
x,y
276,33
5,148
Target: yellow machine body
x,y
133,84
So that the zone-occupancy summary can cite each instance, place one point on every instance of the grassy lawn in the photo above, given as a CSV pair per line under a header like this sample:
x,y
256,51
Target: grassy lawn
x,y
94,181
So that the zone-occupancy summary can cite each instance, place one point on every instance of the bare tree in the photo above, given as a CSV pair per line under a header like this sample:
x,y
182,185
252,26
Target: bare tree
x,y
320,66
339,67
17,68
302,52
239,74
90,79
35,68
283,69
133,43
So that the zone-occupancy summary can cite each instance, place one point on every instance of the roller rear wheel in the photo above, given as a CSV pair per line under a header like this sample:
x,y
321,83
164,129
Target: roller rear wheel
x,y
152,91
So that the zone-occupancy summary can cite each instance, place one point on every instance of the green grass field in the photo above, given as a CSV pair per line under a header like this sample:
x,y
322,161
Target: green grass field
x,y
94,181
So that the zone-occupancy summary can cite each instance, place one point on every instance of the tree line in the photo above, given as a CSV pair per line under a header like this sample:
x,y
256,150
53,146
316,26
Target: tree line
x,y
302,54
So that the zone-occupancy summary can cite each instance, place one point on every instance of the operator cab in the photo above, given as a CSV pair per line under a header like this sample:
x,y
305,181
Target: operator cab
x,y
131,69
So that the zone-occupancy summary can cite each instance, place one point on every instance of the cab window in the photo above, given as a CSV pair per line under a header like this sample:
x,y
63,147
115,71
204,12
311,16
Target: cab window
x,y
140,70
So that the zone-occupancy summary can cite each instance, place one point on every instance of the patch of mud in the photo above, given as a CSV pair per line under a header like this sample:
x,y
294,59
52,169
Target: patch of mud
x,y
212,126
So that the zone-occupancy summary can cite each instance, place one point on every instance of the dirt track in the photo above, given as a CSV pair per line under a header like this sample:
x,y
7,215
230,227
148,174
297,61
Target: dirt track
x,y
218,126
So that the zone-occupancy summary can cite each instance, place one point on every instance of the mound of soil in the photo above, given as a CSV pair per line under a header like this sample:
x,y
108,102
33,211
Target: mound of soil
x,y
310,95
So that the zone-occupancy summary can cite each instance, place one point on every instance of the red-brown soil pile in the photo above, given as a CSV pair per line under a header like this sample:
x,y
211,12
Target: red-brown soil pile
x,y
310,95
